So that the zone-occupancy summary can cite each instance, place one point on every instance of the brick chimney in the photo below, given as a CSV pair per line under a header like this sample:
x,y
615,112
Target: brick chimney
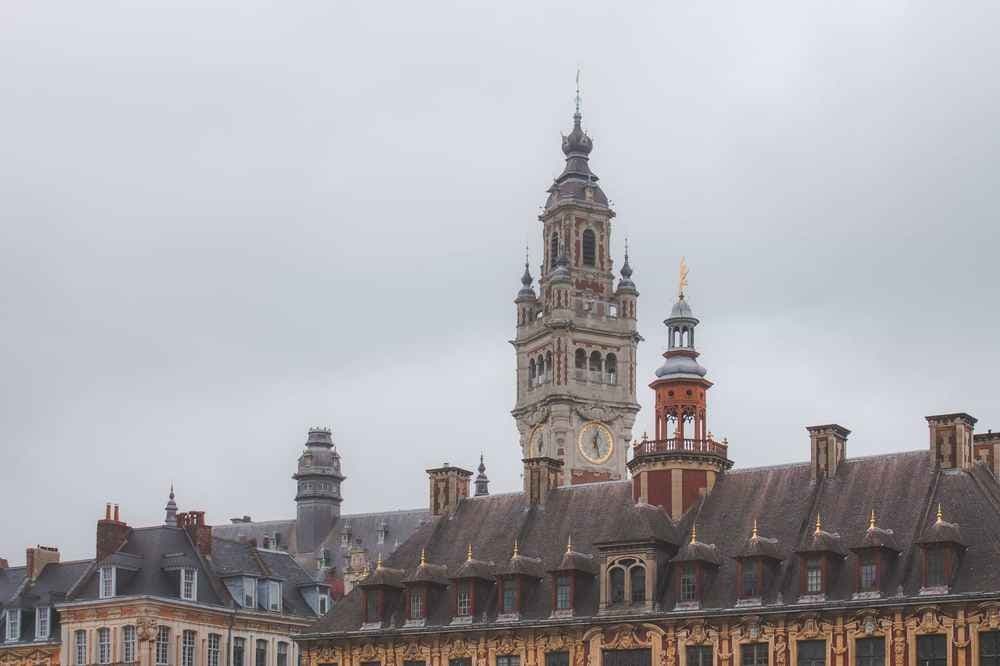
x,y
3,563
37,557
986,447
193,522
111,533
448,485
541,475
951,440
828,448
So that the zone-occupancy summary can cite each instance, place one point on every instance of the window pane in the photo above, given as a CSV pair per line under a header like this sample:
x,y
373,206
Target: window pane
x,y
562,595
617,581
812,653
626,657
460,662
699,655
814,576
508,660
932,650
749,579
187,648
163,645
557,659
239,651
688,592
754,654
989,648
871,652
261,659
81,648
637,574
509,597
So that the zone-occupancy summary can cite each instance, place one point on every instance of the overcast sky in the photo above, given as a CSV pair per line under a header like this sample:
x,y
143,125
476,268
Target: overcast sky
x,y
222,223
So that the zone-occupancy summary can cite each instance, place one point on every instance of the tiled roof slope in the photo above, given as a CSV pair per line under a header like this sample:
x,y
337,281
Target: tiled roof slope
x,y
153,551
363,527
50,588
902,488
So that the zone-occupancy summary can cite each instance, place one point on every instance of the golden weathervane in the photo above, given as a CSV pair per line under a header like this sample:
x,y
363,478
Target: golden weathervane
x,y
683,282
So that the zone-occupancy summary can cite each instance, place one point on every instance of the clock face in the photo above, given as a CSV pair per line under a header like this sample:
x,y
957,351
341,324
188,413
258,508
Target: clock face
x,y
536,442
596,443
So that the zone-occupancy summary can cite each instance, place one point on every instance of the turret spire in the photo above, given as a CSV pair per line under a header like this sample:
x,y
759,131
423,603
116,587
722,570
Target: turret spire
x,y
482,482
171,509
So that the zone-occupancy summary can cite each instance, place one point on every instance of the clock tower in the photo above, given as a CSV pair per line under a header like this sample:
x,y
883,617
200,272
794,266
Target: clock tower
x,y
576,339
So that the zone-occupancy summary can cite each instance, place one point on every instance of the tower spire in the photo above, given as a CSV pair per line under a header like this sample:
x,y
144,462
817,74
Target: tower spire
x,y
578,115
482,482
171,509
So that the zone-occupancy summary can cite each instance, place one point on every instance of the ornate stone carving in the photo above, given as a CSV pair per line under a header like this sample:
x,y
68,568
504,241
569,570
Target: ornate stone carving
x,y
597,413
536,416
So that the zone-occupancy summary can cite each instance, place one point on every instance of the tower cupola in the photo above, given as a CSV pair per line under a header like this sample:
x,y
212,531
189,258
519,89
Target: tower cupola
x,y
683,460
317,494
526,301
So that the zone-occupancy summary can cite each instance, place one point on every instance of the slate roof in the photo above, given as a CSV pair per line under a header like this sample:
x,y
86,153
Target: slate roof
x,y
50,588
363,529
903,488
151,557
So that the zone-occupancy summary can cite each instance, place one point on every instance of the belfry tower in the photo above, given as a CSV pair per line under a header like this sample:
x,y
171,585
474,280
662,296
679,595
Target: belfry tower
x,y
318,490
683,460
576,340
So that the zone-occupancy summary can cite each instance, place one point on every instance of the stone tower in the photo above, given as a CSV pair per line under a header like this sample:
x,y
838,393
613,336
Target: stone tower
x,y
576,340
318,493
683,461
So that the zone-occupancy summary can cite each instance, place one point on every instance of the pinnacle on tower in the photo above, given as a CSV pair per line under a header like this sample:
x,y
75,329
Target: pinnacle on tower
x,y
171,509
482,482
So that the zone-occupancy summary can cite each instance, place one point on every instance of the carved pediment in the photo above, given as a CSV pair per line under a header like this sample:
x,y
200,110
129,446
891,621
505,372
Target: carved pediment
x,y
624,637
597,413
506,644
459,648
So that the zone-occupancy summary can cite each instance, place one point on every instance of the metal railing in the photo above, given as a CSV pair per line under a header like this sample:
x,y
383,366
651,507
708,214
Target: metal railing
x,y
649,447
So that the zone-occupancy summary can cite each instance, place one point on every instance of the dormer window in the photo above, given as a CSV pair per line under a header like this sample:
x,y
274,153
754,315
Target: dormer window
x,y
627,581
323,603
814,575
508,597
42,616
249,592
689,583
373,611
417,603
107,585
463,599
748,582
564,592
13,625
868,573
936,566
189,584
274,596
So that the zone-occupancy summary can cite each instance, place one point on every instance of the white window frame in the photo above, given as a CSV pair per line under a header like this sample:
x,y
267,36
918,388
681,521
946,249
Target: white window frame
x,y
108,582
80,648
214,649
162,641
104,645
323,605
189,575
13,625
189,642
274,596
42,621
249,585
128,644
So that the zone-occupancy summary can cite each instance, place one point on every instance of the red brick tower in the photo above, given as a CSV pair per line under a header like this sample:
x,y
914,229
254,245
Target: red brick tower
x,y
682,461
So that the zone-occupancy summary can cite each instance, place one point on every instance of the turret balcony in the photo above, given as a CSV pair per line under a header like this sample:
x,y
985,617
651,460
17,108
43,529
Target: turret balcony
x,y
677,445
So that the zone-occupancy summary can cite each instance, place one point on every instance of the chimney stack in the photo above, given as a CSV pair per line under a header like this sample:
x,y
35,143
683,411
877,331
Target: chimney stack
x,y
541,475
986,447
448,485
111,533
193,522
3,564
951,440
828,448
36,558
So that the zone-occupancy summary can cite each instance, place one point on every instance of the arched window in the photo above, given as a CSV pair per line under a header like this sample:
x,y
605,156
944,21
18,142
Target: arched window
x,y
580,360
616,585
553,249
589,248
637,581
595,361
531,371
611,368
548,366
540,364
